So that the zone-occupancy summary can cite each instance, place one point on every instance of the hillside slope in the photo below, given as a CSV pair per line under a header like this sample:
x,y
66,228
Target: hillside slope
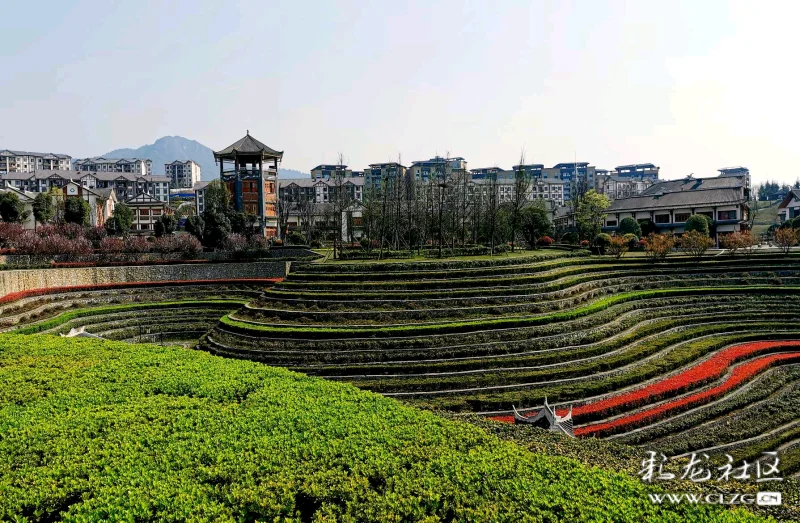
x,y
96,430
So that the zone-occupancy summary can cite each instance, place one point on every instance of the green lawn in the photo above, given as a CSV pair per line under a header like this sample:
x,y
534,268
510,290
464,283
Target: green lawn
x,y
767,215
96,431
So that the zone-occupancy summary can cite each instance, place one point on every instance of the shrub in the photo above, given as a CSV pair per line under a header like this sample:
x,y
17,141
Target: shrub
x,y
786,238
699,223
584,243
630,226
165,225
632,240
545,241
295,238
10,233
136,244
77,211
95,235
315,244
187,245
112,244
658,246
570,238
618,246
235,243
696,244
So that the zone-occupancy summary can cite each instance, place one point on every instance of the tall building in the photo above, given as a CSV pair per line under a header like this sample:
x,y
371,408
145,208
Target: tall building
x,y
377,173
27,162
326,172
250,170
578,177
424,171
532,170
638,170
115,165
182,175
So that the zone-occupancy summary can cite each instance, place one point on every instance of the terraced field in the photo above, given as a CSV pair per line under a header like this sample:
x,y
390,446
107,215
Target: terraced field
x,y
174,312
682,355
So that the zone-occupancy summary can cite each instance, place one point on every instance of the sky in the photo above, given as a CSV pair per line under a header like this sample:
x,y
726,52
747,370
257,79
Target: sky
x,y
689,86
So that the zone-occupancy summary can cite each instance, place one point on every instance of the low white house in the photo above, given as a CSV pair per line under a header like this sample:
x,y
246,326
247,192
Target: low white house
x,y
27,201
789,208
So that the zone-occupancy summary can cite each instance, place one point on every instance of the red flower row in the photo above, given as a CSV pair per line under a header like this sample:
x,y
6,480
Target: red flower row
x,y
14,296
693,377
740,374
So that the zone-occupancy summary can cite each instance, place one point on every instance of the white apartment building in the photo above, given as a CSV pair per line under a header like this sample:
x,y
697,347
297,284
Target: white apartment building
x,y
27,162
99,164
125,185
549,190
182,175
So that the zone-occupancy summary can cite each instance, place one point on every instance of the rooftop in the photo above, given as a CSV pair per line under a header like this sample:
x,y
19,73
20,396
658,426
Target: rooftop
x,y
699,197
10,152
247,146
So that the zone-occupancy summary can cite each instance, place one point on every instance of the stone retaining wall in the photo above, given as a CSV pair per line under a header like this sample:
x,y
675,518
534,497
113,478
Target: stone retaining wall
x,y
26,279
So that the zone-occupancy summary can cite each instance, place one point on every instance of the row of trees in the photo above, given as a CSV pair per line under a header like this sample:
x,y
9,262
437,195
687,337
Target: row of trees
x,y
446,211
48,207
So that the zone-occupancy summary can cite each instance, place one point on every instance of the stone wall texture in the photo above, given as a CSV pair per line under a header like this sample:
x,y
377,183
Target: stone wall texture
x,y
26,279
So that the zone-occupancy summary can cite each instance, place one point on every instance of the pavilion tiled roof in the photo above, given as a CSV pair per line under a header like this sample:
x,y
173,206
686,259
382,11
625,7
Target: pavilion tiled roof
x,y
248,145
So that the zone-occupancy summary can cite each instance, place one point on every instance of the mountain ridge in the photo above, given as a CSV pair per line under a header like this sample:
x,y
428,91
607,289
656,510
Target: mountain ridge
x,y
167,149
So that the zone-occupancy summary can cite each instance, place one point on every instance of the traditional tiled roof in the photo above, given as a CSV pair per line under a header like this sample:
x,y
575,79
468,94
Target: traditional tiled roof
x,y
248,145
794,194
103,159
696,198
4,152
693,184
199,186
77,175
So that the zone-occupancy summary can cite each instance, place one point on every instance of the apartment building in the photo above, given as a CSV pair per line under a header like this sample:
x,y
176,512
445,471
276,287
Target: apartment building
x,y
578,177
437,167
378,173
666,206
641,171
28,162
100,164
619,187
146,212
125,185
505,185
319,191
326,172
182,175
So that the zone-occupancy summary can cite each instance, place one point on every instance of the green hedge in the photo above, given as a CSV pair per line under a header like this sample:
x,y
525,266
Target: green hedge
x,y
143,433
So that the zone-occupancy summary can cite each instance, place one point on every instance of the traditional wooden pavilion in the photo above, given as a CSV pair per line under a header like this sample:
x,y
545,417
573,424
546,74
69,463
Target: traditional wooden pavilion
x,y
250,170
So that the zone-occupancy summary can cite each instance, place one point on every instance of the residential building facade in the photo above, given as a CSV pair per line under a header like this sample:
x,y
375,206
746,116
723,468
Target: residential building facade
x,y
99,164
438,167
326,172
28,162
182,175
378,173
101,201
620,187
146,212
789,208
578,177
125,185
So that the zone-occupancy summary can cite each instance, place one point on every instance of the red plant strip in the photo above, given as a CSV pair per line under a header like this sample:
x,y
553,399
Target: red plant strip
x,y
739,375
701,373
14,296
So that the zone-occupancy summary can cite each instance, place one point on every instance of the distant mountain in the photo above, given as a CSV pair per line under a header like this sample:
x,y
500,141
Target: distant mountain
x,y
170,148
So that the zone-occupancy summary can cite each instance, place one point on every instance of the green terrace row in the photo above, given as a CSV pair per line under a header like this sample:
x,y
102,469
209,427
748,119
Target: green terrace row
x,y
64,318
447,283
581,388
544,344
569,297
374,273
433,265
331,332
497,342
573,366
38,307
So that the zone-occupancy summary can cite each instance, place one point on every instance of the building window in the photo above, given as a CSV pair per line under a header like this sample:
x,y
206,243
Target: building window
x,y
681,217
611,223
726,215
662,218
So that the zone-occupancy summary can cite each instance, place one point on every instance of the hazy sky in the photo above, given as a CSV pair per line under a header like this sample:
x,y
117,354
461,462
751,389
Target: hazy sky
x,y
690,86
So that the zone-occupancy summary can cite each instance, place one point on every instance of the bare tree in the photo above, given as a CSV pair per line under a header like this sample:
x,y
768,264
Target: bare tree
x,y
519,200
